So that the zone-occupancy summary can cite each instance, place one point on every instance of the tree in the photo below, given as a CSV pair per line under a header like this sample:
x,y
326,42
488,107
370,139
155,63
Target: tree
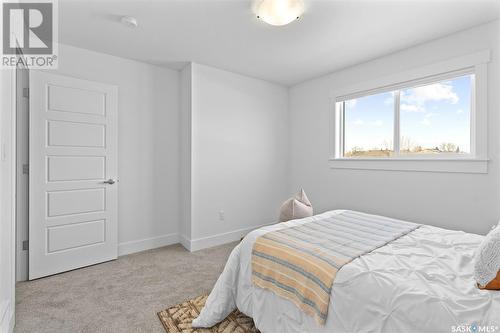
x,y
406,143
448,147
387,145
417,149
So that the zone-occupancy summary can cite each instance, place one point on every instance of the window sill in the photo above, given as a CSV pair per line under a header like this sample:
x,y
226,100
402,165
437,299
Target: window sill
x,y
457,165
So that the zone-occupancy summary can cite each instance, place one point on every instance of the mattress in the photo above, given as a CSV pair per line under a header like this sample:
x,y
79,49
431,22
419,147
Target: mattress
x,y
421,282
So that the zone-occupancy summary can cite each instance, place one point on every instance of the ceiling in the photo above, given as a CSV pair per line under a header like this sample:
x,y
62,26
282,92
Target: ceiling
x,y
226,34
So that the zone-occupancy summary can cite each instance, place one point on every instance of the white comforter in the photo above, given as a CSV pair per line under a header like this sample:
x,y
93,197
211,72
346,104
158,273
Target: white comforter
x,y
421,282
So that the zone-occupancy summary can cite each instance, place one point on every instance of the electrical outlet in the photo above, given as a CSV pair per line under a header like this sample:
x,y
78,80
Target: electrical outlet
x,y
222,216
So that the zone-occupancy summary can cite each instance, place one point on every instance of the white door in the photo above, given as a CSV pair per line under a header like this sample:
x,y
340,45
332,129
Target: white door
x,y
73,194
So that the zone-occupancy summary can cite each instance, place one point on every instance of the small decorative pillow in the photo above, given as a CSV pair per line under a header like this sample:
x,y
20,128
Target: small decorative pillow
x,y
296,208
487,261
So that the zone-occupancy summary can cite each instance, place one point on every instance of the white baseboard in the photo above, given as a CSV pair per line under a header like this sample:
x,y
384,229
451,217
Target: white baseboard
x,y
217,239
147,244
190,244
186,242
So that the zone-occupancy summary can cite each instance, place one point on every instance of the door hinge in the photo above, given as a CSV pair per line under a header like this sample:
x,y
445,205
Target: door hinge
x,y
26,169
26,245
26,92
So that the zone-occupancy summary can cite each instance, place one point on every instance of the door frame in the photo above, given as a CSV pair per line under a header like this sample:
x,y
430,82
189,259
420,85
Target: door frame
x,y
22,137
8,198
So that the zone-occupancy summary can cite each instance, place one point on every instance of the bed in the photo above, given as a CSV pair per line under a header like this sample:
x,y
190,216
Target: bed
x,y
419,282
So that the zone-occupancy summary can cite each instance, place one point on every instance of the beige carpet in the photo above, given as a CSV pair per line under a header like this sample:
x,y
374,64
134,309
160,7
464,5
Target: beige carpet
x,y
178,319
118,296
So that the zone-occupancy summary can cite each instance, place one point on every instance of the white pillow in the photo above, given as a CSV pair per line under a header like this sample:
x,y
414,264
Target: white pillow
x,y
487,260
296,208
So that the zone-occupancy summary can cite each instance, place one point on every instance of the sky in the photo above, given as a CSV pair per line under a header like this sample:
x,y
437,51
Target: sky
x,y
429,116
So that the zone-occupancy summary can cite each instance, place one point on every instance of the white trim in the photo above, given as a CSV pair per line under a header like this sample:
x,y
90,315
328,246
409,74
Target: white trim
x,y
22,134
471,165
186,242
336,130
7,202
217,239
139,245
475,162
191,245
479,120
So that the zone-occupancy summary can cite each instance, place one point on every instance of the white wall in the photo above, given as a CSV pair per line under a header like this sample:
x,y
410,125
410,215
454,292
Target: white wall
x,y
148,140
238,154
457,201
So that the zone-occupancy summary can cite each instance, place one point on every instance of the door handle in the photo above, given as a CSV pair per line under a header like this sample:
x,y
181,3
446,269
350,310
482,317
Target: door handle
x,y
109,181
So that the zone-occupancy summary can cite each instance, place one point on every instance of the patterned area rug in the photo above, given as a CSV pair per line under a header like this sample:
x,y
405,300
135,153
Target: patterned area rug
x,y
178,318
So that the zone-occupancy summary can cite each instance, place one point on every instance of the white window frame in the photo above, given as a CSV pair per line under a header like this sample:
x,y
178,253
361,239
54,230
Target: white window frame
x,y
474,162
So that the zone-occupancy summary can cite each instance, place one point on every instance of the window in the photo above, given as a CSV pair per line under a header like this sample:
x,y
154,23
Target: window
x,y
436,118
369,126
430,118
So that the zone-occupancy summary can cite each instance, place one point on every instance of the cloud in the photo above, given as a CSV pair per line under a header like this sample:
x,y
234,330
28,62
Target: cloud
x,y
361,122
390,100
426,121
460,111
412,108
414,100
432,92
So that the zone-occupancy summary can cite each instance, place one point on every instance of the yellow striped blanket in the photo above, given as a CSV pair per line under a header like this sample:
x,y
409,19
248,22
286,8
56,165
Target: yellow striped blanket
x,y
299,263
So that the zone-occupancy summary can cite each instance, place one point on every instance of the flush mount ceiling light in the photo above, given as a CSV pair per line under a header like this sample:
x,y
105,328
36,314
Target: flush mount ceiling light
x,y
279,12
129,21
